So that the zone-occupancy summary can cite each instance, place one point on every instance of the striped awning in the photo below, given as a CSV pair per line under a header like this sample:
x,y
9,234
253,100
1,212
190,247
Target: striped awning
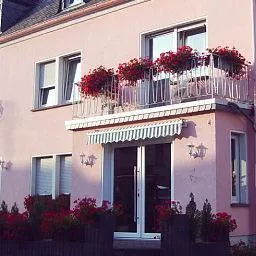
x,y
136,132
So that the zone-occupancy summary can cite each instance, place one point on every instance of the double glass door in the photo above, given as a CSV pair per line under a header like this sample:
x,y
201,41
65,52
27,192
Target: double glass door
x,y
142,179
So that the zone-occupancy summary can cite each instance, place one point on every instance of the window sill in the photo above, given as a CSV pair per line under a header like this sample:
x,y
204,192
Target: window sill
x,y
52,107
239,205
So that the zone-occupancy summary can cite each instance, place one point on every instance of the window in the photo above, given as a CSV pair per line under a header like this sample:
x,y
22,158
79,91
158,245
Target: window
x,y
238,168
56,81
169,40
161,43
72,75
69,3
195,38
44,171
52,175
65,174
47,88
165,87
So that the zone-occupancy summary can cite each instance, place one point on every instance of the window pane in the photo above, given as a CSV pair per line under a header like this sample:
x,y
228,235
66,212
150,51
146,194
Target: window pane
x,y
196,39
161,43
157,181
233,170
47,74
73,2
73,76
44,167
243,170
65,174
47,96
239,168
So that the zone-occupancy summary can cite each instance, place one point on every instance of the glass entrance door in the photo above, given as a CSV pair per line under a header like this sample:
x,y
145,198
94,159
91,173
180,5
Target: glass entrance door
x,y
156,162
126,190
142,179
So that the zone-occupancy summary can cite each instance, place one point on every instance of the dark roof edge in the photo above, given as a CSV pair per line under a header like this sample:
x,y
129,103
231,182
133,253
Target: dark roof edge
x,y
61,19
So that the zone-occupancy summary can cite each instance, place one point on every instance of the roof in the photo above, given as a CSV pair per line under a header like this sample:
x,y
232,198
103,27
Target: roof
x,y
43,11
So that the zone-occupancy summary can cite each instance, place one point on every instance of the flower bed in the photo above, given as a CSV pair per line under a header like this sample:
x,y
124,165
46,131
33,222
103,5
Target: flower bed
x,y
87,229
45,218
195,233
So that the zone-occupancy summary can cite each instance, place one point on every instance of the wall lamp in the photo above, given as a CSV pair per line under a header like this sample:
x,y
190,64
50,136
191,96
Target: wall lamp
x,y
193,151
5,165
90,160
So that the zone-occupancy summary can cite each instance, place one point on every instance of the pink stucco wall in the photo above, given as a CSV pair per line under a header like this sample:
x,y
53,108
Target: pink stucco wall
x,y
196,175
190,175
108,40
86,180
225,123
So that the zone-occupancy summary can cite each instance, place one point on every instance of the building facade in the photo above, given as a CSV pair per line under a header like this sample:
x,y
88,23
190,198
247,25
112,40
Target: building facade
x,y
160,139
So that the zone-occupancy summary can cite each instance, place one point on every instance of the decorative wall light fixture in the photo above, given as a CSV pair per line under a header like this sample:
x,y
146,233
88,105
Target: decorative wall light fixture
x,y
90,160
193,151
197,151
5,165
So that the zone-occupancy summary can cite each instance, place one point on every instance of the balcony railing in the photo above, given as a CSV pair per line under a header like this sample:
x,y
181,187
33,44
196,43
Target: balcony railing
x,y
209,79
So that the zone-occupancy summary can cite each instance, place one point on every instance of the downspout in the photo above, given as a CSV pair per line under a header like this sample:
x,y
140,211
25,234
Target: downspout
x,y
252,214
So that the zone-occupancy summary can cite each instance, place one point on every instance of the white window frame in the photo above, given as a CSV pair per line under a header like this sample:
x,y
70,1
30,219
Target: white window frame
x,y
63,74
55,173
68,4
38,88
59,80
242,163
175,29
180,27
107,175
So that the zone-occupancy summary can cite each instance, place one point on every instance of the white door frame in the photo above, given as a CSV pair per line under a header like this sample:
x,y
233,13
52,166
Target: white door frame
x,y
108,163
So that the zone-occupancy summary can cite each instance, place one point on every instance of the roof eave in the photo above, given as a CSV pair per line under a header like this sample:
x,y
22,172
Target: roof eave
x,y
61,19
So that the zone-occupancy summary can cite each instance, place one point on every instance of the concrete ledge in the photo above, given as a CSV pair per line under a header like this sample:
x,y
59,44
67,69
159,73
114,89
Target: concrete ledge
x,y
137,243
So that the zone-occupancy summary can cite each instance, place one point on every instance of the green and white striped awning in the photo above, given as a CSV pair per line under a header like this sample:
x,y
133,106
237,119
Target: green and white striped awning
x,y
136,132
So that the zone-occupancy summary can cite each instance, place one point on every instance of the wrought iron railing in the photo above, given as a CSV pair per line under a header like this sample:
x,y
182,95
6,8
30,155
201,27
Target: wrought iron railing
x,y
211,77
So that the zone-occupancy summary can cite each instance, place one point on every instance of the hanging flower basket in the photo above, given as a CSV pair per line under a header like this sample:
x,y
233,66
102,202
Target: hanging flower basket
x,y
97,81
134,70
229,60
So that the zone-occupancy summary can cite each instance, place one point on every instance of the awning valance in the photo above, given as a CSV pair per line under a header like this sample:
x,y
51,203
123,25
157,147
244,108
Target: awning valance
x,y
136,132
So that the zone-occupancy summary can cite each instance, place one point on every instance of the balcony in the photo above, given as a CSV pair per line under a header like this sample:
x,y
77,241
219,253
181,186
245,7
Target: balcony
x,y
211,78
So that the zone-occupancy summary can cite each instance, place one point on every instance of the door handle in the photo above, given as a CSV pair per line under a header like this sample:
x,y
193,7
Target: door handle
x,y
135,194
